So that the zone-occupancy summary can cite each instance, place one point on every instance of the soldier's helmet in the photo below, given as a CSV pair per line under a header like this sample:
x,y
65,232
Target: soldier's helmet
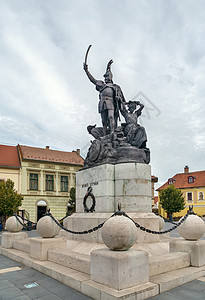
x,y
108,74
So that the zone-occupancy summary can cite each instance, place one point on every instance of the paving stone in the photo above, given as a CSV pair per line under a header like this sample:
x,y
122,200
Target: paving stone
x,y
50,297
48,282
194,285
22,298
5,284
169,296
10,262
36,292
10,292
15,276
2,277
31,273
199,287
187,293
77,296
62,292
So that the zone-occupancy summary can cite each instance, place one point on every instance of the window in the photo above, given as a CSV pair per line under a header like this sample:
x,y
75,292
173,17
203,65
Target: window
x,y
64,183
189,197
33,181
201,196
171,180
190,179
49,182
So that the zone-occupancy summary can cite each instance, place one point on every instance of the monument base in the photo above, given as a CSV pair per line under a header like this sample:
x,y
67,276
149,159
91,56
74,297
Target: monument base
x,y
39,246
8,238
119,269
161,278
196,249
127,183
84,221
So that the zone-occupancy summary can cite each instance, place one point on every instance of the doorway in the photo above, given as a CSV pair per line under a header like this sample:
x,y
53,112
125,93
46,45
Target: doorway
x,y
41,209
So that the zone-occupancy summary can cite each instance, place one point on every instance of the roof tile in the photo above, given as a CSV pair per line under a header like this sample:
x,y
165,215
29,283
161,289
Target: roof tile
x,y
9,157
181,180
42,154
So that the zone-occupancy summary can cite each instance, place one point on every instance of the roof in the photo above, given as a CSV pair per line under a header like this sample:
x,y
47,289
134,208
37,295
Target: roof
x,y
9,157
181,180
154,178
49,155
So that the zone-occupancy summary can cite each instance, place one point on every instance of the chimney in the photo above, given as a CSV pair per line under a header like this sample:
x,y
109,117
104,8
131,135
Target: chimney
x,y
47,147
186,169
78,151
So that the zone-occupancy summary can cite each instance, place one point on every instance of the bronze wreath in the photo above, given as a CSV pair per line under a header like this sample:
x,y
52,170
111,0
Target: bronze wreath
x,y
92,208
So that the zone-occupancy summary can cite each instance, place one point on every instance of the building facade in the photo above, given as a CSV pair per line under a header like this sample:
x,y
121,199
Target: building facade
x,y
10,165
192,185
46,178
154,180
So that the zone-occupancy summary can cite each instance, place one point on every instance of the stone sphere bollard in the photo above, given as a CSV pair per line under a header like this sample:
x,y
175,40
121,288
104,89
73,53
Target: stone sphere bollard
x,y
13,225
47,228
119,233
161,223
192,228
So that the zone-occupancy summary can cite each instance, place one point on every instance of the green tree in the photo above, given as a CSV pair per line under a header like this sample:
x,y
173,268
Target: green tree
x,y
172,200
71,202
10,200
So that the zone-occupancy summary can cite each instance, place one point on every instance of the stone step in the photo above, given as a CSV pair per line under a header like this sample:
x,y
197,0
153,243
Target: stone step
x,y
157,264
70,259
170,280
168,262
81,281
22,245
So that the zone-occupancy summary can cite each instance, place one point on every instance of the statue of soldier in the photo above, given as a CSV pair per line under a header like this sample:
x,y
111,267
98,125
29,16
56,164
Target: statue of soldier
x,y
110,96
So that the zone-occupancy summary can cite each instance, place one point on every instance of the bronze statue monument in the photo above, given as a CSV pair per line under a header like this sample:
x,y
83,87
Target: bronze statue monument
x,y
113,143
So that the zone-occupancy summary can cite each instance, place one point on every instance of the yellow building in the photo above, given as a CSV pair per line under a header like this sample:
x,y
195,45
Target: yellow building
x,y
46,178
192,185
10,165
154,180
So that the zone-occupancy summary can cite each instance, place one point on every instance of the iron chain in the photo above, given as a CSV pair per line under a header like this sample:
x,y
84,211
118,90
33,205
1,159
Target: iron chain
x,y
75,232
24,225
101,225
157,232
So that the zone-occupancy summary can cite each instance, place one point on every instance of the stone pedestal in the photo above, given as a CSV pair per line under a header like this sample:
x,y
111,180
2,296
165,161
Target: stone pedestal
x,y
133,189
86,221
119,270
8,238
101,179
39,246
128,183
195,248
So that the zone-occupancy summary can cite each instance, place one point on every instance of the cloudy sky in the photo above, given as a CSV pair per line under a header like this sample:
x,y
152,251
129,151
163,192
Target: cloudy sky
x,y
158,50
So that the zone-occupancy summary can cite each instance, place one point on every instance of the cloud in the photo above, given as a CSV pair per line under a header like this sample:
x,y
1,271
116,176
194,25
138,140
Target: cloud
x,y
157,48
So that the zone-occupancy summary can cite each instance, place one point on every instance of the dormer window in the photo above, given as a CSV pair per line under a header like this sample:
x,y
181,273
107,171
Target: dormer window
x,y
190,179
171,180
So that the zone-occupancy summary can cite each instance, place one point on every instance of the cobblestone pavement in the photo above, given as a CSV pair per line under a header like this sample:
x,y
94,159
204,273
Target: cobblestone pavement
x,y
22,283
194,290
